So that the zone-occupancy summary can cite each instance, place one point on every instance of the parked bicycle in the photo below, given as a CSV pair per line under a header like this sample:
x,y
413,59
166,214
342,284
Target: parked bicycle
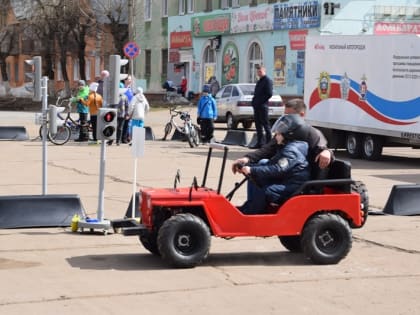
x,y
187,128
66,127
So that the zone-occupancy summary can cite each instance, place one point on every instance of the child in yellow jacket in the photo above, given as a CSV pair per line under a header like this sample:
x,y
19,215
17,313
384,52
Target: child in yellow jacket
x,y
94,102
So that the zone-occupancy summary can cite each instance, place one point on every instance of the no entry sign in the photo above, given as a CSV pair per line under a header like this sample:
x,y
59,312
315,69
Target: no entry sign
x,y
131,50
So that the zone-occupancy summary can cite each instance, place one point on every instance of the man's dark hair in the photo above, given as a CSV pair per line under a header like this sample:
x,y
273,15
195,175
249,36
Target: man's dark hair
x,y
297,104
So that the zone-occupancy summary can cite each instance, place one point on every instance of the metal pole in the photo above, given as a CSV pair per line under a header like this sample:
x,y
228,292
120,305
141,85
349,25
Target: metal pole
x,y
101,183
133,210
44,91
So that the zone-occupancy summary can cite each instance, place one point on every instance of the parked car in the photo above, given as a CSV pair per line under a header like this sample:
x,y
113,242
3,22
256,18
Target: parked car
x,y
234,105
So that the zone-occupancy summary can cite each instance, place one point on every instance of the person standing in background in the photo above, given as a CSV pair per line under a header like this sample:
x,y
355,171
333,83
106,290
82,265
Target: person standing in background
x,y
94,102
100,81
214,86
122,115
127,84
184,84
262,93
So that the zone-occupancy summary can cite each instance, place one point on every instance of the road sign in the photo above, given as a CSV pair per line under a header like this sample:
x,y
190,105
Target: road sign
x,y
131,50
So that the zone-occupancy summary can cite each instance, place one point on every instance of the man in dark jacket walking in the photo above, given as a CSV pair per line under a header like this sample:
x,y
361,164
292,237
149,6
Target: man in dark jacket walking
x,y
262,93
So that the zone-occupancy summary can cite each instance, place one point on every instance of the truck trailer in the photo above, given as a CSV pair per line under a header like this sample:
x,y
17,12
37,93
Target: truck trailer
x,y
363,91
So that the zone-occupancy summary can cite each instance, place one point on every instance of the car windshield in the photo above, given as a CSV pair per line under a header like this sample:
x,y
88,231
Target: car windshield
x,y
247,89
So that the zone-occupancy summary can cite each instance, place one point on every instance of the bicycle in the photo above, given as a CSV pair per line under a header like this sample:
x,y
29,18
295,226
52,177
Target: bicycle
x,y
67,127
190,130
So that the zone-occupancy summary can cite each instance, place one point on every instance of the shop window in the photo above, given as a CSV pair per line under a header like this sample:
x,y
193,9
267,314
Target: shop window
x,y
164,8
148,62
148,10
255,58
164,63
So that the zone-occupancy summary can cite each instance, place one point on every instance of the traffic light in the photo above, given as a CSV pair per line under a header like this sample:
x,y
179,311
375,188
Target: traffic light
x,y
35,76
106,125
53,118
115,76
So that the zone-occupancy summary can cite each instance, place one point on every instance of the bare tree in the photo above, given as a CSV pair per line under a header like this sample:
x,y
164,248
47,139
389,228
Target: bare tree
x,y
113,14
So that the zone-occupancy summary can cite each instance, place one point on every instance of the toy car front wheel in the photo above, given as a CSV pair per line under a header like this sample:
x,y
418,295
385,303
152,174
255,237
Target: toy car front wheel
x,y
149,242
184,240
326,239
291,243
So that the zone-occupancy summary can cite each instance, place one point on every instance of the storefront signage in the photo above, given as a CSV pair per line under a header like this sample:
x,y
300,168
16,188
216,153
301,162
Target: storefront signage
x,y
387,28
230,64
252,20
279,75
297,15
297,39
180,40
211,25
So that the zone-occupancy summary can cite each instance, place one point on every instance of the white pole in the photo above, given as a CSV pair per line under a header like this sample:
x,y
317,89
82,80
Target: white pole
x,y
133,209
44,84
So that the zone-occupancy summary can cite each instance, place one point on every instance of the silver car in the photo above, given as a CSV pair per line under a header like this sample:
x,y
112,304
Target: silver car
x,y
234,105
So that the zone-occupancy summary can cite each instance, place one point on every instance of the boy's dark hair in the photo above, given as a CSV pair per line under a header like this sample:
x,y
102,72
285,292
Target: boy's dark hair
x,y
297,104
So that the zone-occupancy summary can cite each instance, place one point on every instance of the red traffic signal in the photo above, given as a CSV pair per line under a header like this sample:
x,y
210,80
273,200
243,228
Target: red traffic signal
x,y
109,116
106,124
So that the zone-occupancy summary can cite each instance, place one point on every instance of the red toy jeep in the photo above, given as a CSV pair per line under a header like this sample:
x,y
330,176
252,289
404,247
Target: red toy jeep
x,y
177,223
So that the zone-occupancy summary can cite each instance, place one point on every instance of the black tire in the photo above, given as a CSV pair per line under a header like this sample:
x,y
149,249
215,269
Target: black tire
x,y
230,122
190,134
247,124
167,130
149,242
184,240
40,132
361,189
354,145
195,135
62,136
291,243
326,239
372,147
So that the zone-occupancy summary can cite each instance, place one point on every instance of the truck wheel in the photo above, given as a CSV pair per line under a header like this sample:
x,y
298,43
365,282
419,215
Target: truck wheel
x,y
247,124
360,188
291,243
149,241
354,145
326,239
184,240
372,147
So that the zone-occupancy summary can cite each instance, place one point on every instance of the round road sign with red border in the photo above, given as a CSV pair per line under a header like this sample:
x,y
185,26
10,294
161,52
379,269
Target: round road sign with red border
x,y
131,50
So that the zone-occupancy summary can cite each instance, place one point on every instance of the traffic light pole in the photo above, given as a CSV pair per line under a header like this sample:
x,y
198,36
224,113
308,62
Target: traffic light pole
x,y
44,85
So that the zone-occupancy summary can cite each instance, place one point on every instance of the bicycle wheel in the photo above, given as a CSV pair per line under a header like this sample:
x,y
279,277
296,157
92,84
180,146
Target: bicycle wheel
x,y
62,136
192,135
168,129
195,135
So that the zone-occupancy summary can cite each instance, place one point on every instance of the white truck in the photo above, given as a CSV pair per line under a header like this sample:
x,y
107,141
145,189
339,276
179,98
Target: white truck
x,y
363,91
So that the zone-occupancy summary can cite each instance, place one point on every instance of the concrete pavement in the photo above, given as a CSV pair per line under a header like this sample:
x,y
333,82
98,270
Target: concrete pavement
x,y
51,271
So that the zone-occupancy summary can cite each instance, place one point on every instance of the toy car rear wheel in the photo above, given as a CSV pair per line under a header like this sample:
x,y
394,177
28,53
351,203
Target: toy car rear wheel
x,y
149,242
326,239
184,240
291,243
360,188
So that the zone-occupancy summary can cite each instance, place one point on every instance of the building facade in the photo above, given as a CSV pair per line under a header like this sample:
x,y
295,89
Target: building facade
x,y
227,39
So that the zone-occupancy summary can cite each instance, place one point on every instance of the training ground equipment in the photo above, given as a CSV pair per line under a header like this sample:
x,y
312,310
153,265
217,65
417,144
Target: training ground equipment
x,y
13,133
29,211
177,223
403,200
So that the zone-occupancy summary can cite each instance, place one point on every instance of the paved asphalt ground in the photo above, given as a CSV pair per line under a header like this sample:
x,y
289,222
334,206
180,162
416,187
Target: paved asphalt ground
x,y
55,271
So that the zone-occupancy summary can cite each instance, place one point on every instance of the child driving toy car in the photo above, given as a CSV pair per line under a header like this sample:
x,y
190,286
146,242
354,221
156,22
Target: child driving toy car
x,y
273,181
